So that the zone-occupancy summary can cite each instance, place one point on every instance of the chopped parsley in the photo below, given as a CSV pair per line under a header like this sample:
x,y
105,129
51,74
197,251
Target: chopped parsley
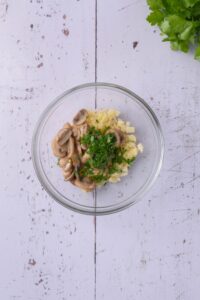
x,y
105,156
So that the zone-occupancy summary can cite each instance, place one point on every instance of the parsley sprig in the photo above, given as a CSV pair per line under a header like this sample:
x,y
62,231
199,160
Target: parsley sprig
x,y
179,21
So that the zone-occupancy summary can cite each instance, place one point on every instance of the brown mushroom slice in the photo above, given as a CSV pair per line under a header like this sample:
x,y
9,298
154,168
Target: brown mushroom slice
x,y
80,131
57,151
65,147
79,149
84,147
71,147
63,135
85,158
83,129
76,173
118,134
87,180
75,160
63,161
68,167
88,187
80,117
67,125
75,132
68,175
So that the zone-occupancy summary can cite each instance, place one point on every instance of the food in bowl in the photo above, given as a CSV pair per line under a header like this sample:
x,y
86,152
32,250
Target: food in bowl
x,y
96,148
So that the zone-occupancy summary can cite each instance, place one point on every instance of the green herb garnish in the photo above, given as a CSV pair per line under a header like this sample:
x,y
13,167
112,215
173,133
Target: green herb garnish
x,y
179,21
105,156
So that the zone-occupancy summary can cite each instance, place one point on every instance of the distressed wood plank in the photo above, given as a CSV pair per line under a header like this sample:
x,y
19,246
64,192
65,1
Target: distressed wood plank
x,y
46,251
151,250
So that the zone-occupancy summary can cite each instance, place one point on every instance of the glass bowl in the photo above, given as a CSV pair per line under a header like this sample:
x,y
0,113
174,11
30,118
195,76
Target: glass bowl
x,y
113,196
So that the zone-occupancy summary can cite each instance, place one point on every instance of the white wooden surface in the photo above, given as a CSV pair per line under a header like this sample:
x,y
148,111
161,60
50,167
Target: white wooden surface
x,y
150,251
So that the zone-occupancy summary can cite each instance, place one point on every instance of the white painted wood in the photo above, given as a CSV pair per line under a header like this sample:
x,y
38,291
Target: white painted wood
x,y
151,251
46,252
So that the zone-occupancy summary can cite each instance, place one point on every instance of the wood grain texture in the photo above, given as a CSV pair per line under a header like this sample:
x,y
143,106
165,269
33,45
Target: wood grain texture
x,y
150,251
47,252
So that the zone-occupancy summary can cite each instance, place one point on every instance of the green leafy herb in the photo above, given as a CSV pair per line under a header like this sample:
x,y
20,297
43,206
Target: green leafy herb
x,y
105,156
130,161
179,21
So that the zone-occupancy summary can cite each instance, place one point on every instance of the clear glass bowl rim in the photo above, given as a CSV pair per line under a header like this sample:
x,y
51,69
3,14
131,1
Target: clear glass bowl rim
x,y
41,176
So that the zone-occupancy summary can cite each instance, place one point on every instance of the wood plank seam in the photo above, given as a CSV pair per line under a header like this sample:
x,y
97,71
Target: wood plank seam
x,y
95,195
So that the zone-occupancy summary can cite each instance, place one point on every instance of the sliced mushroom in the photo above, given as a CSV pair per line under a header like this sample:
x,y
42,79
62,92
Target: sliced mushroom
x,y
83,129
118,134
63,135
87,180
71,147
76,173
67,125
85,158
63,161
68,175
80,117
75,160
65,147
79,149
68,167
88,187
77,132
57,151
83,147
